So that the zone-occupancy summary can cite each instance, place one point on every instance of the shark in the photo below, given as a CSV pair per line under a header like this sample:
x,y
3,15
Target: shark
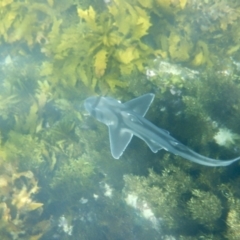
x,y
125,120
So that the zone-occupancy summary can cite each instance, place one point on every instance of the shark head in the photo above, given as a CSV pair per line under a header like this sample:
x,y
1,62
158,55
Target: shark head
x,y
101,108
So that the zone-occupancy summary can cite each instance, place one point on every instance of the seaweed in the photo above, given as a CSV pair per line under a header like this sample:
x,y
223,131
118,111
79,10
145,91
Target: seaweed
x,y
17,205
205,207
112,43
73,179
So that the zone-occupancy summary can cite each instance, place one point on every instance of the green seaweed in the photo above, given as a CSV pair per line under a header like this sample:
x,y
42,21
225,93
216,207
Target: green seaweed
x,y
233,219
111,44
73,179
205,207
162,192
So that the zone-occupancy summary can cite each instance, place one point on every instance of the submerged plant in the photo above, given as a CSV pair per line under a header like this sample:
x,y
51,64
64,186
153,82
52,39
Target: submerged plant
x,y
73,179
233,220
205,207
17,205
162,193
110,44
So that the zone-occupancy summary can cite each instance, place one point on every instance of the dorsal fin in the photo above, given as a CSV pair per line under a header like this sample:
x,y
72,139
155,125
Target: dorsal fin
x,y
140,105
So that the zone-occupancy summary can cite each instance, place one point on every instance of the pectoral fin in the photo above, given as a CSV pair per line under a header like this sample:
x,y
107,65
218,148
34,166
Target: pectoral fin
x,y
119,140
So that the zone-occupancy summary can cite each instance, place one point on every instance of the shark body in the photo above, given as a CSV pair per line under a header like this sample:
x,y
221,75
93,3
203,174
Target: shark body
x,y
127,119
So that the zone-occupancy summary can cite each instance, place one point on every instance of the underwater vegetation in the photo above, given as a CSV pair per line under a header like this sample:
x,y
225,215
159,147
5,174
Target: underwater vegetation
x,y
92,44
20,214
178,204
57,177
72,178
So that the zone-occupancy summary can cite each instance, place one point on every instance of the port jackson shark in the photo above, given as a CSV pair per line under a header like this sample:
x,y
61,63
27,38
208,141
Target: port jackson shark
x,y
127,119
